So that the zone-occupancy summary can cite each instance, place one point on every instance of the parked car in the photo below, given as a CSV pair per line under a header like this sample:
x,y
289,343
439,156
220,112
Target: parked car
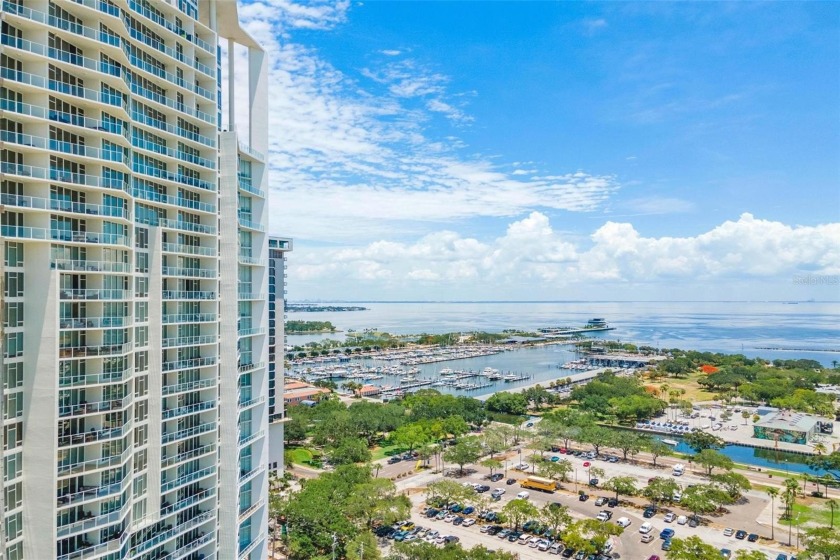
x,y
394,459
482,488
604,516
693,521
649,512
647,537
753,537
496,477
583,497
511,481
601,500
682,520
740,534
523,495
646,527
612,502
522,467
725,553
623,522
669,517
666,544
666,533
458,520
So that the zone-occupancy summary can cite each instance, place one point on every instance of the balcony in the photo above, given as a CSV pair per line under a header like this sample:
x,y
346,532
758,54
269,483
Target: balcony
x,y
95,379
91,266
91,523
159,173
173,532
247,150
244,404
169,414
114,544
94,436
246,185
189,386
63,88
178,155
248,439
94,322
246,476
152,196
172,129
94,294
97,407
95,351
251,332
60,175
189,272
187,478
64,118
198,497
245,222
189,249
189,318
189,364
187,226
189,455
94,464
190,340
192,546
188,295
145,12
30,141
189,432
93,492
246,367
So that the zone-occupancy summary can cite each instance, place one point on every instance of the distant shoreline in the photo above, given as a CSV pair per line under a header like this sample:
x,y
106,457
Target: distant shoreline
x,y
317,331
303,308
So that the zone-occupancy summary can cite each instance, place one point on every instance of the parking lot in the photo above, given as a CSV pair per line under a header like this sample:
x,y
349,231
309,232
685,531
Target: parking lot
x,y
742,517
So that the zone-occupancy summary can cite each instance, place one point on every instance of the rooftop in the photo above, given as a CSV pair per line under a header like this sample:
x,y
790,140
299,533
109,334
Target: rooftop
x,y
786,420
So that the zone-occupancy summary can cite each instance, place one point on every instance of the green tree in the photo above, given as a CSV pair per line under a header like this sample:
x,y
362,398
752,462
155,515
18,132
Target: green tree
x,y
821,543
362,547
773,492
294,430
508,403
492,464
455,425
703,499
519,510
832,504
658,449
411,436
598,437
556,469
692,548
660,490
622,486
376,500
466,451
445,491
734,483
710,459
700,440
629,443
749,555
554,516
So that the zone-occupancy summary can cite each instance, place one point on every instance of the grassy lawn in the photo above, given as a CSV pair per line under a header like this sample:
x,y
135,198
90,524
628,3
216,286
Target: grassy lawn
x,y
299,455
813,512
693,391
380,452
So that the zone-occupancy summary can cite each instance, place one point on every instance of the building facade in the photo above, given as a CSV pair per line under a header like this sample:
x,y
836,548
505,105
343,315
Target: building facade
x,y
134,379
277,249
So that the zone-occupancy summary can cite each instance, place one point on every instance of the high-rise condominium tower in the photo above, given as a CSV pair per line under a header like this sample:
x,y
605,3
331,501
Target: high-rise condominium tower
x,y
277,249
134,310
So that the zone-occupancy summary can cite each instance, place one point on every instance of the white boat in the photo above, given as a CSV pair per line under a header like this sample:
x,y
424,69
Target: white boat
x,y
670,442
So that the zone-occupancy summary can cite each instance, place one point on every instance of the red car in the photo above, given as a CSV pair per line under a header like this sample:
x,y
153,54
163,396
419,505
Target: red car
x,y
563,450
654,557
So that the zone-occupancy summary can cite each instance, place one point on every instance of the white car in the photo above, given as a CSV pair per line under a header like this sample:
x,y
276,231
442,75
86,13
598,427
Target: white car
x,y
440,540
450,518
497,492
544,544
669,517
682,520
524,539
623,522
522,467
647,537
534,542
645,528
523,495
468,522
728,532
677,496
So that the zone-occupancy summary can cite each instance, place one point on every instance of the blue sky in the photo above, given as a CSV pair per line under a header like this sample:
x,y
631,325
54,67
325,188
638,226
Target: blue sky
x,y
534,150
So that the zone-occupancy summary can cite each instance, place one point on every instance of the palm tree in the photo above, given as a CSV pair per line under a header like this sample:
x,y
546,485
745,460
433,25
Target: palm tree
x,y
789,496
773,492
832,504
819,448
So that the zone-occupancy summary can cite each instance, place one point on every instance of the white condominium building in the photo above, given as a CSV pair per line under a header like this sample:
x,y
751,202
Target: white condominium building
x,y
134,266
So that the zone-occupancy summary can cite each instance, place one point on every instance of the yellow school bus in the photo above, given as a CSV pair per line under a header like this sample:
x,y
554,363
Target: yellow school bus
x,y
539,483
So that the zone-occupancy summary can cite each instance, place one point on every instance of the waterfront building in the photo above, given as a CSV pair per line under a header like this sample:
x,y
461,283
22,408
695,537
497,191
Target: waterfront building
x,y
134,309
277,249
787,426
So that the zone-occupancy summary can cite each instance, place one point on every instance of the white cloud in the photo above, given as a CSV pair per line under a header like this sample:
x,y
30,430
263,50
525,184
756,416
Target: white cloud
x,y
391,52
533,260
351,157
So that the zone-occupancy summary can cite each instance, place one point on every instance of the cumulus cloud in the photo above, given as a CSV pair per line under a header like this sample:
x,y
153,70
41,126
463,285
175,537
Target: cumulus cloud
x,y
531,253
351,155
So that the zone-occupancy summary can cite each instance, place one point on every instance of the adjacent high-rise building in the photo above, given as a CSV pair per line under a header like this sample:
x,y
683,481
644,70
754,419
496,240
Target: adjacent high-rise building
x,y
277,249
134,311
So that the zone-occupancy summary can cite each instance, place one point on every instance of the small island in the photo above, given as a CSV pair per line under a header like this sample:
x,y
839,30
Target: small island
x,y
316,308
309,327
